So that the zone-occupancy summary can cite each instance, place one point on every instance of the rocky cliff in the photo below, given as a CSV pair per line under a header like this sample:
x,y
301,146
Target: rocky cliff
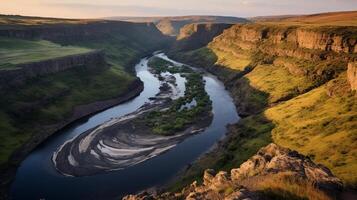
x,y
272,167
20,73
336,39
194,36
316,54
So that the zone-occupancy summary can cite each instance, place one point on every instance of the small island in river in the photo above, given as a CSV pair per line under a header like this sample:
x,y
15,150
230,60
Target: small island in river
x,y
166,120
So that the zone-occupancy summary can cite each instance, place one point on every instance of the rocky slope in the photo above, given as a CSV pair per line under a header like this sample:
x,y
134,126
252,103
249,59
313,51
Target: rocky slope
x,y
271,167
294,87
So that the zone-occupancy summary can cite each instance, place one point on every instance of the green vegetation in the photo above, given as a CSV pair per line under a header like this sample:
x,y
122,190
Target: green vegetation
x,y
280,85
177,118
17,51
321,126
28,110
49,100
160,66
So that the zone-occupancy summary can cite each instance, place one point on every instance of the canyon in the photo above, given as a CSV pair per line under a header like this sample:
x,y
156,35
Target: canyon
x,y
292,83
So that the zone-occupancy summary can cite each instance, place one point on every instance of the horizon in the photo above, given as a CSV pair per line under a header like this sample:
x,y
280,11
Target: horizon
x,y
161,8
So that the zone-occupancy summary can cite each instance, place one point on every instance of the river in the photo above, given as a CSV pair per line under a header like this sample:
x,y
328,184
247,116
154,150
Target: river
x,y
37,178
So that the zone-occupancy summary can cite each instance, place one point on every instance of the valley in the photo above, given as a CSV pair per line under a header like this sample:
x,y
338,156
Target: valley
x,y
172,103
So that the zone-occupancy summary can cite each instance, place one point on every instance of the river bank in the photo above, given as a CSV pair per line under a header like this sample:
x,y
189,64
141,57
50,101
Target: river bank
x,y
155,171
141,135
79,112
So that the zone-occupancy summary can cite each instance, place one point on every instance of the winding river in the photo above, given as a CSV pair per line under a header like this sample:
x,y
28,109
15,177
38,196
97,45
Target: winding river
x,y
37,178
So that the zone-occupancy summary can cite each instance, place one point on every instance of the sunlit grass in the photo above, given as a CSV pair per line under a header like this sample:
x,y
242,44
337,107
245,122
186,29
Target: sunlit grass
x,y
323,127
277,82
285,186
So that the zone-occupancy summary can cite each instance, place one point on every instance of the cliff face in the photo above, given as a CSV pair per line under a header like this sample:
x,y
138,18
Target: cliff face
x,y
292,85
273,167
329,39
67,33
193,36
22,72
352,75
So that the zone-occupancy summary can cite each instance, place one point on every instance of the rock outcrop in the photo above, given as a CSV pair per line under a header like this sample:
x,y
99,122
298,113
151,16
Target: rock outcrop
x,y
194,36
352,75
273,159
335,39
20,73
270,161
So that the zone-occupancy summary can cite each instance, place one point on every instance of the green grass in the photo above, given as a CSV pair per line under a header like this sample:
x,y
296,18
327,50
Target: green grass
x,y
322,127
17,51
48,100
280,85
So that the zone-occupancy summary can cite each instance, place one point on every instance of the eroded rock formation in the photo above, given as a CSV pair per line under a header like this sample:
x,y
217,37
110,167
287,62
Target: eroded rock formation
x,y
243,183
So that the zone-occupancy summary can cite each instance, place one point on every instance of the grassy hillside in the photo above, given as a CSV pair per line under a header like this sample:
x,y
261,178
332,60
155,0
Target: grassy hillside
x,y
295,94
17,51
31,109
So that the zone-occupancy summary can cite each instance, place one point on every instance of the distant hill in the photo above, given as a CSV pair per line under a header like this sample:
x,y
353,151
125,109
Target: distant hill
x,y
26,20
347,18
172,25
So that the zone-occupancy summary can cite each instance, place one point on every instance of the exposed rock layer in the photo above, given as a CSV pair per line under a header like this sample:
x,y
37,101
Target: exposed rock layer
x,y
271,160
193,36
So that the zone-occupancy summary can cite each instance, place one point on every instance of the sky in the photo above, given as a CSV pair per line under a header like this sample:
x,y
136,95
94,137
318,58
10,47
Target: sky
x,y
107,8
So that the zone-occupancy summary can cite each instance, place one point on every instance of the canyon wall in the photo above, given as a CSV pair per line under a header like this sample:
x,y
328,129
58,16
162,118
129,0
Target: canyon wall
x,y
67,33
291,85
330,39
193,36
21,72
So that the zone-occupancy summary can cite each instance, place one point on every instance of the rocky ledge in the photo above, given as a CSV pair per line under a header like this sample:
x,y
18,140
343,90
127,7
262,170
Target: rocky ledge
x,y
272,168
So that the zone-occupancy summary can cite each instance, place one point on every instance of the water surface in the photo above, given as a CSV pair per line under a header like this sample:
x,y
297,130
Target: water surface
x,y
37,178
